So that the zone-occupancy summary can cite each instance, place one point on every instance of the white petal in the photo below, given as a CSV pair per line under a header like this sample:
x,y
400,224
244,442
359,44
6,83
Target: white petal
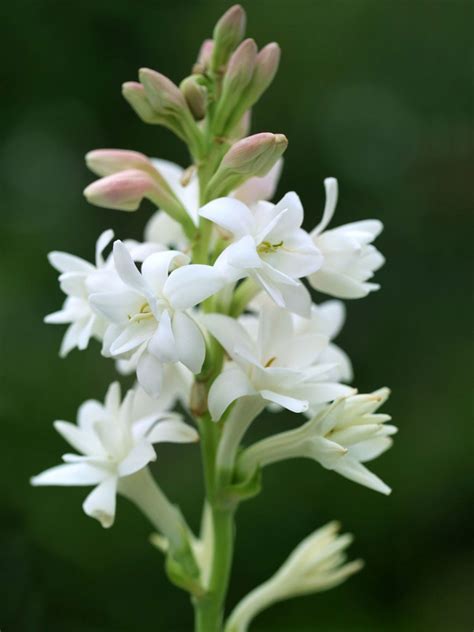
x,y
190,345
355,471
104,240
330,184
290,403
150,374
117,307
226,388
78,438
296,299
132,336
163,229
230,214
289,221
189,285
172,431
240,256
227,331
369,450
163,343
156,268
331,315
140,455
339,285
70,474
100,503
126,268
64,262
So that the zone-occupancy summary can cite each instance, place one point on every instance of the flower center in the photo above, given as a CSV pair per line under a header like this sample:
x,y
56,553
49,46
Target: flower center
x,y
266,247
143,313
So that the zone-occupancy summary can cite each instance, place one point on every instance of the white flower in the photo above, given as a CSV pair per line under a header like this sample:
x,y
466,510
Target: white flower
x,y
318,563
76,277
148,318
279,365
114,440
269,246
341,437
328,319
350,260
163,229
350,433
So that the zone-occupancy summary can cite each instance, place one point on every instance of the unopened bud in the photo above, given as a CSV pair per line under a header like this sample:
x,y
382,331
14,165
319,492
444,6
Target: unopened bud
x,y
227,34
105,162
266,66
204,57
122,191
251,156
236,79
125,190
164,96
196,96
170,105
134,93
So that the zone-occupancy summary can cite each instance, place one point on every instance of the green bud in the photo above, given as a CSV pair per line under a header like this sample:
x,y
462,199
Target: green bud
x,y
227,34
238,75
251,156
196,96
134,93
266,66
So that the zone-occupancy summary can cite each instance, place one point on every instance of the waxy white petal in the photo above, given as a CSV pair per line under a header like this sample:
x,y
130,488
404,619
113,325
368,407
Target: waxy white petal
x,y
100,503
190,345
230,214
226,388
192,284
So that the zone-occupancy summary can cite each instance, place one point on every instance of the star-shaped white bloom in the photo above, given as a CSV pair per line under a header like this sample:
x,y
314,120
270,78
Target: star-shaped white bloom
x,y
280,365
78,279
349,258
115,440
269,246
163,229
148,316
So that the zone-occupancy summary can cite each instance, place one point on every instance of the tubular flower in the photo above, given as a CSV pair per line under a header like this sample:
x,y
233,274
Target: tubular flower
x,y
318,563
115,440
268,366
341,437
269,246
349,259
148,316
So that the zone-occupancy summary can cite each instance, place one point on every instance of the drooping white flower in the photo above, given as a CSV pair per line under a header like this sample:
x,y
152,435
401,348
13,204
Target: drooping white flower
x,y
349,258
148,316
115,440
279,365
318,563
341,437
269,246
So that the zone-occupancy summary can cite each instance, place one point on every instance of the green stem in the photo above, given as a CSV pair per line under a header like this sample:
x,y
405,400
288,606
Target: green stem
x,y
209,608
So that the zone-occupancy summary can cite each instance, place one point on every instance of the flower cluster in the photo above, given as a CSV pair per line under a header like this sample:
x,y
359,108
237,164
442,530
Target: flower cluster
x,y
213,312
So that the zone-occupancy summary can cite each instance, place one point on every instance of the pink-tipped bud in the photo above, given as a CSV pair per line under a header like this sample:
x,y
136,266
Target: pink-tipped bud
x,y
266,66
104,162
241,66
163,95
227,34
134,93
236,80
256,154
204,57
251,156
196,96
125,190
122,191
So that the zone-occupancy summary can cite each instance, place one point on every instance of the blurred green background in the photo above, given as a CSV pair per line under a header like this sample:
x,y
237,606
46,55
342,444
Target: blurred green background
x,y
375,92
